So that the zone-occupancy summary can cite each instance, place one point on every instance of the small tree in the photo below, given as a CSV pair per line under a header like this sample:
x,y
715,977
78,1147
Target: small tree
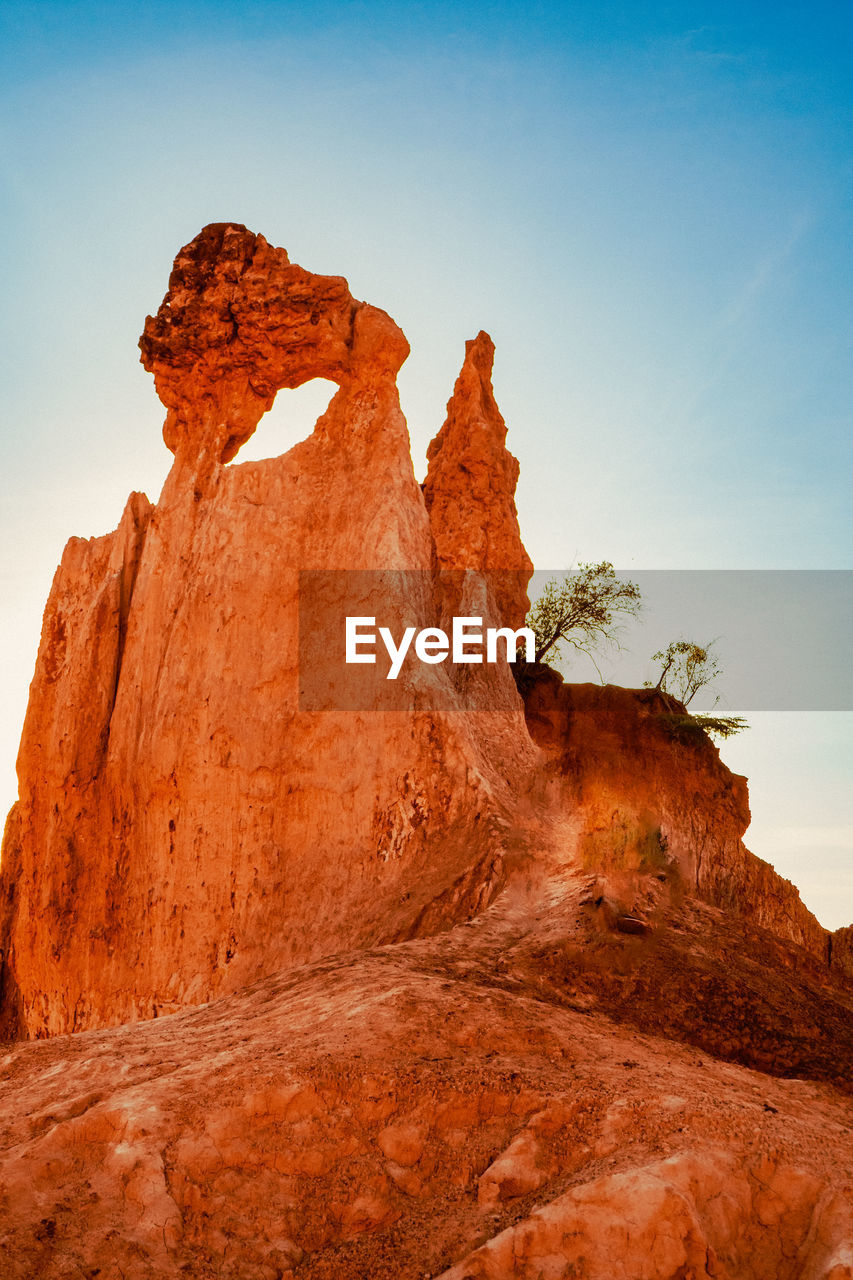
x,y
686,668
580,610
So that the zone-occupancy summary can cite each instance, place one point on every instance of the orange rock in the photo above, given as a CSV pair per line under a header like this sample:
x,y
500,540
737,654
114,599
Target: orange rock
x,y
649,805
470,491
511,1084
516,1171
184,827
239,322
402,1144
145,1150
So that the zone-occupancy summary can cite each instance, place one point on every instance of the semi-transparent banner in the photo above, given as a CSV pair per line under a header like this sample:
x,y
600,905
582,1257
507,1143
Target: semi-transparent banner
x,y
408,640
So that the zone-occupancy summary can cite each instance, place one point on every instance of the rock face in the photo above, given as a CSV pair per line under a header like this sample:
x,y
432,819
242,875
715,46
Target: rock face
x,y
240,321
470,488
470,1105
183,825
648,801
189,820
841,952
499,990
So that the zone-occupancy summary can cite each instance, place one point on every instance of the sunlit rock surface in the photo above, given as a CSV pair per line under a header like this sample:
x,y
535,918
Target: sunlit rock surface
x,y
483,985
183,826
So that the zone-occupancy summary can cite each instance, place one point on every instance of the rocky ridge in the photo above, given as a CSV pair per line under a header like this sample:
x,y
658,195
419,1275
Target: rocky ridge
x,y
478,985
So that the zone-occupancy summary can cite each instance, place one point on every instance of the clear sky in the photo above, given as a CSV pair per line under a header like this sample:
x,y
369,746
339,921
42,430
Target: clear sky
x,y
649,208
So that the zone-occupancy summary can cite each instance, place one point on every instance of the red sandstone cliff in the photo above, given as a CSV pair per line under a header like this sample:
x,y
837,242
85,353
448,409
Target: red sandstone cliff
x,y
186,823
646,797
183,827
522,1003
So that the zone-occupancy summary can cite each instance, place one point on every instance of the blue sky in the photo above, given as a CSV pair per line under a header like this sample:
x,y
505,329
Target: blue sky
x,y
647,206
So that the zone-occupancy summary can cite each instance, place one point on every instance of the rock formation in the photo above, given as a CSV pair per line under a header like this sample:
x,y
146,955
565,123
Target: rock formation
x,y
463,984
529,1094
469,490
184,827
648,800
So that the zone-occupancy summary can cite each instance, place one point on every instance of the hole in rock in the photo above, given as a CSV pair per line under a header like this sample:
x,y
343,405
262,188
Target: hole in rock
x,y
291,419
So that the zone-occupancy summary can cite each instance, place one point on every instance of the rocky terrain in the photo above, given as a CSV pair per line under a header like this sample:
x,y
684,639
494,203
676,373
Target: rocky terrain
x,y
480,984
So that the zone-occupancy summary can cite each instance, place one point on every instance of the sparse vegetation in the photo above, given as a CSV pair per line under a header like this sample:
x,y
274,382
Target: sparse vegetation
x,y
687,667
581,611
689,728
